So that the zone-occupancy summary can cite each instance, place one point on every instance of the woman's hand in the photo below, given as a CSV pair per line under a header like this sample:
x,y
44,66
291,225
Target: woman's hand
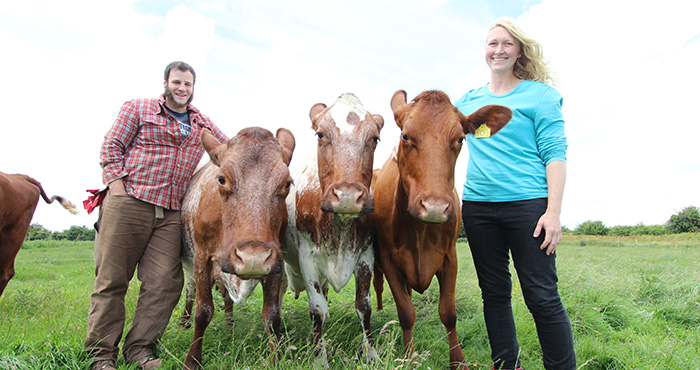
x,y
549,222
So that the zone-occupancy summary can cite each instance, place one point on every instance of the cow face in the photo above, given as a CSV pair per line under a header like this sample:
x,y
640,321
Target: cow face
x,y
248,198
347,137
432,135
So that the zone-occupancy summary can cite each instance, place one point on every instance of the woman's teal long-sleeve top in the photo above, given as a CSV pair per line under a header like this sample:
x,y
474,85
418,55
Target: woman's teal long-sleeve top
x,y
511,165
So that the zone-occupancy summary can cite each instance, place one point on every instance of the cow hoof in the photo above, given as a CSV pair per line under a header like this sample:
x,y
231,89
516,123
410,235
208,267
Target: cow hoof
x,y
368,354
321,360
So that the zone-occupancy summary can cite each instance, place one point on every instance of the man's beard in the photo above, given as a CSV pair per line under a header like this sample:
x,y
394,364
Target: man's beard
x,y
169,94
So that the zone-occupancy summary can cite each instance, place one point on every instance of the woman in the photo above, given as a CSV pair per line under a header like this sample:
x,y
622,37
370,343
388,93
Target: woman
x,y
512,198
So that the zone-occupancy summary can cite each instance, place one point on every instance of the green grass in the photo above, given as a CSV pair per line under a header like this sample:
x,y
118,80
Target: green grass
x,y
634,303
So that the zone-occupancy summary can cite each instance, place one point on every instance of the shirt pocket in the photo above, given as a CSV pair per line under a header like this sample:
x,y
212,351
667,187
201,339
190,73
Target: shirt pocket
x,y
157,130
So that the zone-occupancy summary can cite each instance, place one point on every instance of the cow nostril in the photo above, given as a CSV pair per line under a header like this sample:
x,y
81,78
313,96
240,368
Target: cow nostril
x,y
435,206
347,196
252,257
434,210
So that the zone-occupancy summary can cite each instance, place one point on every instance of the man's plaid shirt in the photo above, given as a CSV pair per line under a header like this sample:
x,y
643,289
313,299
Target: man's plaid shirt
x,y
144,148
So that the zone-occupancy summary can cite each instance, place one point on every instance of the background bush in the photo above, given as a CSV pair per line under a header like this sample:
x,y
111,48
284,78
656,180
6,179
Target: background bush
x,y
685,221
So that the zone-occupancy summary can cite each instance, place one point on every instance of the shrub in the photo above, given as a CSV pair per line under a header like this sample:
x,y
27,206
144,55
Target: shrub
x,y
620,230
641,229
38,232
592,228
685,221
75,233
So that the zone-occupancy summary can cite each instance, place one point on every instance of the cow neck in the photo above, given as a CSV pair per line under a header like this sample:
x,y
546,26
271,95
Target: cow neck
x,y
402,200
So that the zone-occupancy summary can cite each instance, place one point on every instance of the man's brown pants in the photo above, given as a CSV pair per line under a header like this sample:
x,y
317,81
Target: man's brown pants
x,y
131,235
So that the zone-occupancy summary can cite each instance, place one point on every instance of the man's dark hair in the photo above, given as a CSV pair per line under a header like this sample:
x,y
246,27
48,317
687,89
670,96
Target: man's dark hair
x,y
182,66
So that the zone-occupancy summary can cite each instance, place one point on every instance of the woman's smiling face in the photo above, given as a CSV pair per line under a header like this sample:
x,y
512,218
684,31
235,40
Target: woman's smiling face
x,y
502,50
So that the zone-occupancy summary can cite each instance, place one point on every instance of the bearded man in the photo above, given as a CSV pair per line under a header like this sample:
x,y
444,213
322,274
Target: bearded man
x,y
147,157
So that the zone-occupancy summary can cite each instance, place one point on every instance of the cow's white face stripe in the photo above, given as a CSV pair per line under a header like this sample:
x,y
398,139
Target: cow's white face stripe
x,y
340,251
342,108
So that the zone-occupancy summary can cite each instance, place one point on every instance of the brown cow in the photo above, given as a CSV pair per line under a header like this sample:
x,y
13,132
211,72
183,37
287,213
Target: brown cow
x,y
19,195
416,206
234,218
329,237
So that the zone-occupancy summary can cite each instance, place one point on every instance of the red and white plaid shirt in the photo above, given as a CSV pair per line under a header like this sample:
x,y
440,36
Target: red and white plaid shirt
x,y
144,148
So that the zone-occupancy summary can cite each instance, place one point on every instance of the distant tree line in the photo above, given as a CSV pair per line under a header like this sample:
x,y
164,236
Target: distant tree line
x,y
75,233
685,221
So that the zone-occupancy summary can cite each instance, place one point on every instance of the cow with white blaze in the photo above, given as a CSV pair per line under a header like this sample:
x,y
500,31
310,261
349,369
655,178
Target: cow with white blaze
x,y
329,235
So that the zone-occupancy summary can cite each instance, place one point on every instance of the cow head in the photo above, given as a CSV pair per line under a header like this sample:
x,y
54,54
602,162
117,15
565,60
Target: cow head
x,y
251,185
432,135
347,137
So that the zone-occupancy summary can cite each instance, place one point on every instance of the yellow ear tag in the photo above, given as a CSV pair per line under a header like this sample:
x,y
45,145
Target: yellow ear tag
x,y
483,132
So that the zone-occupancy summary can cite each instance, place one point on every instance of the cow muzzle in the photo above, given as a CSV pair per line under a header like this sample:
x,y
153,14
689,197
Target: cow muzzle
x,y
347,199
253,259
434,209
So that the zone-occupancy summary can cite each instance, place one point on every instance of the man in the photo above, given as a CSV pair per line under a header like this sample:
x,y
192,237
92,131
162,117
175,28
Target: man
x,y
148,158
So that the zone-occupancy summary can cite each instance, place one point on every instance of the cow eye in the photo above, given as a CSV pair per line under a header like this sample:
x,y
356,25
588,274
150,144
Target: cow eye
x,y
460,140
288,185
376,139
404,137
320,135
222,180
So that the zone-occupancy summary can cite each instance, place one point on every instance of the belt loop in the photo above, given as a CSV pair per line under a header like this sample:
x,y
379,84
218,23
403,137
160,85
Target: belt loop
x,y
159,212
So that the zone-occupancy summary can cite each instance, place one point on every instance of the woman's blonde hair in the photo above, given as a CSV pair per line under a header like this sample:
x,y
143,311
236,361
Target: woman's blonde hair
x,y
531,65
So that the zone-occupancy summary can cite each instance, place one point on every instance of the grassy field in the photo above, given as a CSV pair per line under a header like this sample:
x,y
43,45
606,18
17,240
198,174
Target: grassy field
x,y
634,303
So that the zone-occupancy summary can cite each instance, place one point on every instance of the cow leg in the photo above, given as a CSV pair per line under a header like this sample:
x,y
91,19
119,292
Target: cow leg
x,y
363,303
283,288
228,304
272,317
7,267
317,294
404,306
378,282
11,239
7,262
447,278
318,309
203,313
190,291
10,244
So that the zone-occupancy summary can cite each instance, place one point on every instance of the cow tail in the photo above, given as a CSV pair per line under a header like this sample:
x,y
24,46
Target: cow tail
x,y
63,201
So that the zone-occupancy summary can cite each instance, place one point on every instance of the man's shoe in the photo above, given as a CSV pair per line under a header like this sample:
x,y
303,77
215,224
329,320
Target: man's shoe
x,y
148,363
103,365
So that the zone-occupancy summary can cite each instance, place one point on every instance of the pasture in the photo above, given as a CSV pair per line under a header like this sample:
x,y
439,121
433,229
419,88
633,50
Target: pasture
x,y
634,303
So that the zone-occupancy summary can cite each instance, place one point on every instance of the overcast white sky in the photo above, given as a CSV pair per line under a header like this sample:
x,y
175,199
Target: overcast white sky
x,y
628,71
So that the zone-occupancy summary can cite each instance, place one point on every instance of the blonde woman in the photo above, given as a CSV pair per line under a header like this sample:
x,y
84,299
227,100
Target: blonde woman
x,y
512,197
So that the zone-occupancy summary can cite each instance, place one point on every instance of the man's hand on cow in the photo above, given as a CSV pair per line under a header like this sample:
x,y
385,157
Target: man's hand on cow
x,y
552,232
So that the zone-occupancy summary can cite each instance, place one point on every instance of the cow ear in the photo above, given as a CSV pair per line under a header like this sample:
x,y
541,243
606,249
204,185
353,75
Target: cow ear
x,y
314,112
398,101
493,116
287,142
212,145
379,120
